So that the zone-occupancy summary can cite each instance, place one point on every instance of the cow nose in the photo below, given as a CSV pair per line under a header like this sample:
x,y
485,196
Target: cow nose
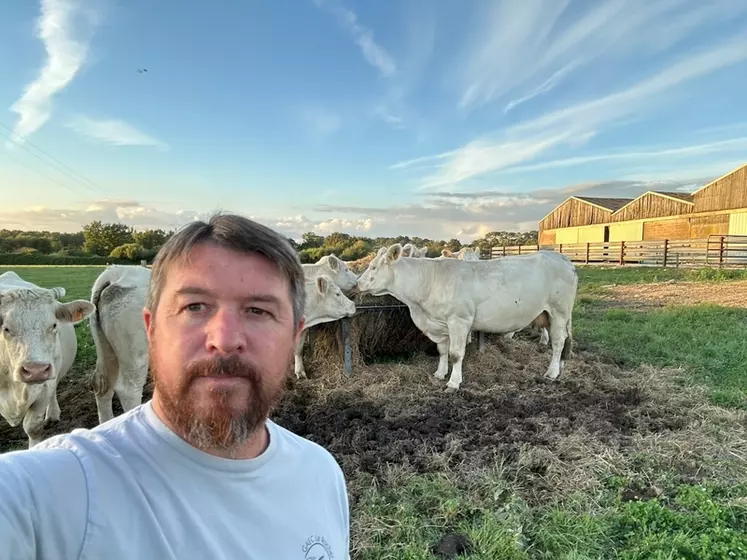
x,y
35,372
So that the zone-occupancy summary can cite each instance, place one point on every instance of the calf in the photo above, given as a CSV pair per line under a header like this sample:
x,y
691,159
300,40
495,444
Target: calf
x,y
37,348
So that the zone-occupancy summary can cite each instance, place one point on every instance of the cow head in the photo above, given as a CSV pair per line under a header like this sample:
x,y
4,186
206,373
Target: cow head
x,y
379,275
30,320
327,302
339,272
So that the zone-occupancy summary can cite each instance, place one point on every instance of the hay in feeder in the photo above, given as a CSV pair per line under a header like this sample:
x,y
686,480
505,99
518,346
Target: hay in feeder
x,y
376,335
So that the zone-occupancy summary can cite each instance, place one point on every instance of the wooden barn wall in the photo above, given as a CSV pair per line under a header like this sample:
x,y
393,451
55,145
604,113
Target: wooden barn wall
x,y
547,237
724,194
703,226
575,213
666,229
651,206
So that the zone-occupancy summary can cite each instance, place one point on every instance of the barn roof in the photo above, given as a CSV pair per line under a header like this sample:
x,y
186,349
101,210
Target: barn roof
x,y
684,197
610,204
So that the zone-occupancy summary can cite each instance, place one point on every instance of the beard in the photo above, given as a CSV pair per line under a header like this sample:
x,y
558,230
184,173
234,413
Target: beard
x,y
221,419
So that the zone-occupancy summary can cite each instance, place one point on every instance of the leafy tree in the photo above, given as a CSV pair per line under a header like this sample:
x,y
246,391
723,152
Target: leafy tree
x,y
102,238
150,238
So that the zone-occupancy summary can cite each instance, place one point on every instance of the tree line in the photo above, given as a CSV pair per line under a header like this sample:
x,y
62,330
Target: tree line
x,y
102,242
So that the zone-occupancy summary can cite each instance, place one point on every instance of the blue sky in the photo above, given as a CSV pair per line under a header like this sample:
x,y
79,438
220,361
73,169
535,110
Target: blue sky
x,y
437,118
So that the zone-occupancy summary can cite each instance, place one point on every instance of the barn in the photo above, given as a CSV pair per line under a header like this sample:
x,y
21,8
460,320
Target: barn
x,y
718,208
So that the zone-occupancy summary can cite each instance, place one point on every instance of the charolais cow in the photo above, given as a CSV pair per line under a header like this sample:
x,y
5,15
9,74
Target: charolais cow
x,y
345,279
118,332
37,348
410,250
325,303
464,254
447,298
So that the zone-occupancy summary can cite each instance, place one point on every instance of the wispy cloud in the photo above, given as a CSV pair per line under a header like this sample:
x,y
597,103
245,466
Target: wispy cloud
x,y
374,53
574,125
116,132
525,49
65,27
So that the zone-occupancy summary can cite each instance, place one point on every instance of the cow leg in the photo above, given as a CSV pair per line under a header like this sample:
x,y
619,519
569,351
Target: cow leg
x,y
558,335
298,358
509,336
457,344
130,385
443,360
33,421
544,337
53,409
469,338
104,405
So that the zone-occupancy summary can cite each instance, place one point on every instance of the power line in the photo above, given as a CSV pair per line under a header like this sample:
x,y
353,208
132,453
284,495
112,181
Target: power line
x,y
11,139
40,173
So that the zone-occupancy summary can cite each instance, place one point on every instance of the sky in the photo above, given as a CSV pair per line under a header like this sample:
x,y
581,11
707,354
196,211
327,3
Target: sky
x,y
432,118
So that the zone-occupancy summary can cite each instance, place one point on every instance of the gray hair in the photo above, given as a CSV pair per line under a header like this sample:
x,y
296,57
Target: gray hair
x,y
237,233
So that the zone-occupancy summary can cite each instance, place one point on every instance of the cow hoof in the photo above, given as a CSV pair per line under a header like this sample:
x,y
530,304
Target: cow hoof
x,y
449,390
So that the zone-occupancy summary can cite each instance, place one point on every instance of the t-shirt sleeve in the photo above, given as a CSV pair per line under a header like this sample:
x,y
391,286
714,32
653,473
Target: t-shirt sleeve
x,y
43,504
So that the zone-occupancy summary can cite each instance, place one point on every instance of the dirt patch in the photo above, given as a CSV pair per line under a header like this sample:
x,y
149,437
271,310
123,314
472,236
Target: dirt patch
x,y
647,296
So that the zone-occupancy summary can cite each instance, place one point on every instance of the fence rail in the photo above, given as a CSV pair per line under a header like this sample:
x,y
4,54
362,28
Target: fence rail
x,y
715,250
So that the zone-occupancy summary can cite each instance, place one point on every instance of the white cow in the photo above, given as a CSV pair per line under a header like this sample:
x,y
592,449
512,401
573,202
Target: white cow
x,y
37,348
325,303
464,254
449,297
118,331
335,268
345,279
410,250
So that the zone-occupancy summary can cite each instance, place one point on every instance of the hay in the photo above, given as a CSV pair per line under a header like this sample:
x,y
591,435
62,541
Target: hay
x,y
375,336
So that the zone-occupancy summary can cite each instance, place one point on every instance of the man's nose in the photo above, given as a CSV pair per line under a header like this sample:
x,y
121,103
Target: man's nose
x,y
225,334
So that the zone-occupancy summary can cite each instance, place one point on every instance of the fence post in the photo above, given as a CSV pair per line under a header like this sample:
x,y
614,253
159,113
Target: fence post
x,y
720,251
587,252
560,250
347,352
504,250
666,249
622,252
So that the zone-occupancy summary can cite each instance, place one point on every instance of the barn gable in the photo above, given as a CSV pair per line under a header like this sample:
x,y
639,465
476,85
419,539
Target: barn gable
x,y
725,193
654,204
581,211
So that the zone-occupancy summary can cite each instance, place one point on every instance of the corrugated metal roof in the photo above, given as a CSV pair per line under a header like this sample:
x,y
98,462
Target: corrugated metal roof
x,y
610,204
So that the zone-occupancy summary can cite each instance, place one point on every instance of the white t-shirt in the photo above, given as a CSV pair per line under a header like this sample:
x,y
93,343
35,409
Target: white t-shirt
x,y
131,488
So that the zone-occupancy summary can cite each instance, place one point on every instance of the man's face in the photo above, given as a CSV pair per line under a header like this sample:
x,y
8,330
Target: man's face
x,y
221,342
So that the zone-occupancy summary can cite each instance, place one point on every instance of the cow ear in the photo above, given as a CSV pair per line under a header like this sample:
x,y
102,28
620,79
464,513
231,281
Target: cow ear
x,y
445,253
321,284
58,292
75,311
334,262
394,252
381,251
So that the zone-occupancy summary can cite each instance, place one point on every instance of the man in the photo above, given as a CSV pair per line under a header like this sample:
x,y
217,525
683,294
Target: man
x,y
199,471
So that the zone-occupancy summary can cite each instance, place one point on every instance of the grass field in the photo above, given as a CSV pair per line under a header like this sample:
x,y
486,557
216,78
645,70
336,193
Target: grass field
x,y
638,451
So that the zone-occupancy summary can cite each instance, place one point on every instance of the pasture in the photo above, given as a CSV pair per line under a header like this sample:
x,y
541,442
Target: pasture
x,y
639,450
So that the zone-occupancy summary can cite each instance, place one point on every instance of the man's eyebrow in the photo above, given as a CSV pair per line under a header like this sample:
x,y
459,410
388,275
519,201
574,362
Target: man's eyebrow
x,y
256,297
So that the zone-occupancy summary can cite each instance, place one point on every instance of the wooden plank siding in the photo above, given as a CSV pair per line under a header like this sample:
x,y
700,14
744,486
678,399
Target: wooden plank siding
x,y
679,228
728,192
703,226
572,213
651,205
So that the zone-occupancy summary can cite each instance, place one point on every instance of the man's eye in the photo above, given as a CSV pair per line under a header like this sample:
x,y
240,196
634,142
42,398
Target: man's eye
x,y
256,311
195,307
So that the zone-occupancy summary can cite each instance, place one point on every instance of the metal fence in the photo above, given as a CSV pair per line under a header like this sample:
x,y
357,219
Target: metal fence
x,y
715,250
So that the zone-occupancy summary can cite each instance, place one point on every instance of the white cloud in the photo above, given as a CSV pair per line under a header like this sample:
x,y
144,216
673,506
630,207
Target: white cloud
x,y
524,49
374,53
113,131
65,27
574,125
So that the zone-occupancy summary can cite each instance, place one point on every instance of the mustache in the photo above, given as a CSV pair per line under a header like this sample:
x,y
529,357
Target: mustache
x,y
220,366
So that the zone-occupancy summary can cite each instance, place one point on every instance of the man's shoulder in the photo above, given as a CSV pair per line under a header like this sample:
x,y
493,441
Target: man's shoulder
x,y
312,453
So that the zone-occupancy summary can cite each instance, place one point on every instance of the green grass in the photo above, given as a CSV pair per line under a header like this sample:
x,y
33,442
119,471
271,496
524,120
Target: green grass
x,y
405,516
